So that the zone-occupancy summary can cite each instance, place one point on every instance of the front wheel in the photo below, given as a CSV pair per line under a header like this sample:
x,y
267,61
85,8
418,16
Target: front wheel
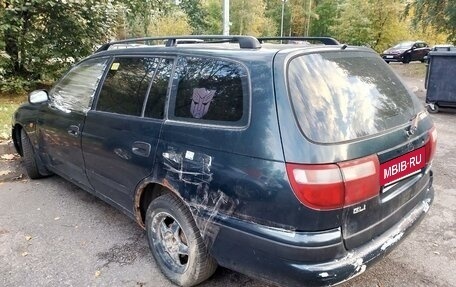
x,y
28,155
176,243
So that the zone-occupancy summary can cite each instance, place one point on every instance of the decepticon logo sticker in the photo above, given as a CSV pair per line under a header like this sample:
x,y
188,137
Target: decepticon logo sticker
x,y
201,101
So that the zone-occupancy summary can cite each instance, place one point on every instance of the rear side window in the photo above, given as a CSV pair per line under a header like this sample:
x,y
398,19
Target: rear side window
x,y
341,96
158,91
210,90
126,85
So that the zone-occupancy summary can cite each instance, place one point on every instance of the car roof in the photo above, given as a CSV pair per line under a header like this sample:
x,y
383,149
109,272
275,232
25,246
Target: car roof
x,y
212,42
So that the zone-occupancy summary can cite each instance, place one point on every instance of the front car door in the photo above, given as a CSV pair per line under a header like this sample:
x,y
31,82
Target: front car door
x,y
121,135
61,122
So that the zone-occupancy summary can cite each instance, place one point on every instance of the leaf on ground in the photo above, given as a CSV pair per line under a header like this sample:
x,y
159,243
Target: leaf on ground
x,y
97,273
19,177
5,172
24,254
8,156
28,237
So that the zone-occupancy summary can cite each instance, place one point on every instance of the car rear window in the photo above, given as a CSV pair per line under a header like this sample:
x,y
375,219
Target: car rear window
x,y
342,96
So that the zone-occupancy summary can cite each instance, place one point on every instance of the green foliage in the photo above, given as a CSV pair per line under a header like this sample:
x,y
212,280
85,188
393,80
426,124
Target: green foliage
x,y
39,39
139,15
42,37
440,14
326,13
353,25
197,17
175,23
248,18
213,10
7,107
376,23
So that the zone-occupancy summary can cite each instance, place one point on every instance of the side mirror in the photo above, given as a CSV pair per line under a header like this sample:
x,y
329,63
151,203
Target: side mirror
x,y
38,97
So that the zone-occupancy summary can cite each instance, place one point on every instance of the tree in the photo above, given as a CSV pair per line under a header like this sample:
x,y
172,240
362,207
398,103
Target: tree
x,y
439,14
326,12
214,18
139,14
175,23
197,16
353,24
274,13
387,24
40,37
248,18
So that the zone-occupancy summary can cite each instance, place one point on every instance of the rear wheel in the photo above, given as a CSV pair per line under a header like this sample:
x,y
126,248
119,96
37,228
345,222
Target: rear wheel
x,y
176,243
28,155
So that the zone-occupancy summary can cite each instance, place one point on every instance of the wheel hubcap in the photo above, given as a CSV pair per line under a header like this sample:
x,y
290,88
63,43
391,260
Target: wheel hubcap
x,y
170,241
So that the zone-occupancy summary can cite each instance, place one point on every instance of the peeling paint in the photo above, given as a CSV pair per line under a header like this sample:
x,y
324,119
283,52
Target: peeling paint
x,y
206,207
190,167
359,266
392,240
191,170
427,205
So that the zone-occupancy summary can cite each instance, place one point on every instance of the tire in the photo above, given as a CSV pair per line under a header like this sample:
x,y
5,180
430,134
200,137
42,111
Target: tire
x,y
176,243
28,155
407,58
387,62
432,108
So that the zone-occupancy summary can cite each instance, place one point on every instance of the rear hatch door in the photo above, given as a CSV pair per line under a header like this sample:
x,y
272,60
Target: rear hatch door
x,y
348,104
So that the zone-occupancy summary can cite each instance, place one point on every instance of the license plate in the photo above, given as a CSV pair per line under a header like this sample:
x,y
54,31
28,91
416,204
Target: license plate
x,y
389,57
402,166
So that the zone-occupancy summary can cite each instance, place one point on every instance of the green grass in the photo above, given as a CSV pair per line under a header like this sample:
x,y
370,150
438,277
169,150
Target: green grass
x,y
8,104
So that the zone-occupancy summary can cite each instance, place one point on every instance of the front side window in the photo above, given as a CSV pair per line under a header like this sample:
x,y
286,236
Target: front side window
x,y
126,85
211,90
76,89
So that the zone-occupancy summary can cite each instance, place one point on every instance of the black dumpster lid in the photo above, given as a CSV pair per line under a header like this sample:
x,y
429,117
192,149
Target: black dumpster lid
x,y
443,51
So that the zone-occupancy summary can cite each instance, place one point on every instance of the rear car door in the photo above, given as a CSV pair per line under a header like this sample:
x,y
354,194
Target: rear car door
x,y
121,134
61,122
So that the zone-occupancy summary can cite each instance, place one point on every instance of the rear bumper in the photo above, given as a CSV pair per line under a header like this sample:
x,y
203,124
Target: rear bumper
x,y
306,258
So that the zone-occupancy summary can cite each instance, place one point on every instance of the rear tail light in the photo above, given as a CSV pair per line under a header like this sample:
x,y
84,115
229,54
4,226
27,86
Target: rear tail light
x,y
431,145
333,186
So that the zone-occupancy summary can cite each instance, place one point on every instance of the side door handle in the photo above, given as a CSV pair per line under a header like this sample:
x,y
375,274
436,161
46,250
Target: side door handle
x,y
73,130
141,148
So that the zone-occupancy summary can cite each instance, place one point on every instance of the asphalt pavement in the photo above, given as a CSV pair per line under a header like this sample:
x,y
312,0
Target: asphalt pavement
x,y
54,234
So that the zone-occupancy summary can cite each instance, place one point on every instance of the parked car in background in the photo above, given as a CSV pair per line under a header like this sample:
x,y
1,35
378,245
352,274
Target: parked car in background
x,y
298,164
406,52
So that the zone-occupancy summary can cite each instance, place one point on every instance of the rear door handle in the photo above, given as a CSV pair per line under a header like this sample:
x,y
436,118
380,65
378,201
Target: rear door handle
x,y
141,148
73,130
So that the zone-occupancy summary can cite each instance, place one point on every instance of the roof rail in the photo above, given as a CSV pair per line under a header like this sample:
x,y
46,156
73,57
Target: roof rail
x,y
324,40
245,42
